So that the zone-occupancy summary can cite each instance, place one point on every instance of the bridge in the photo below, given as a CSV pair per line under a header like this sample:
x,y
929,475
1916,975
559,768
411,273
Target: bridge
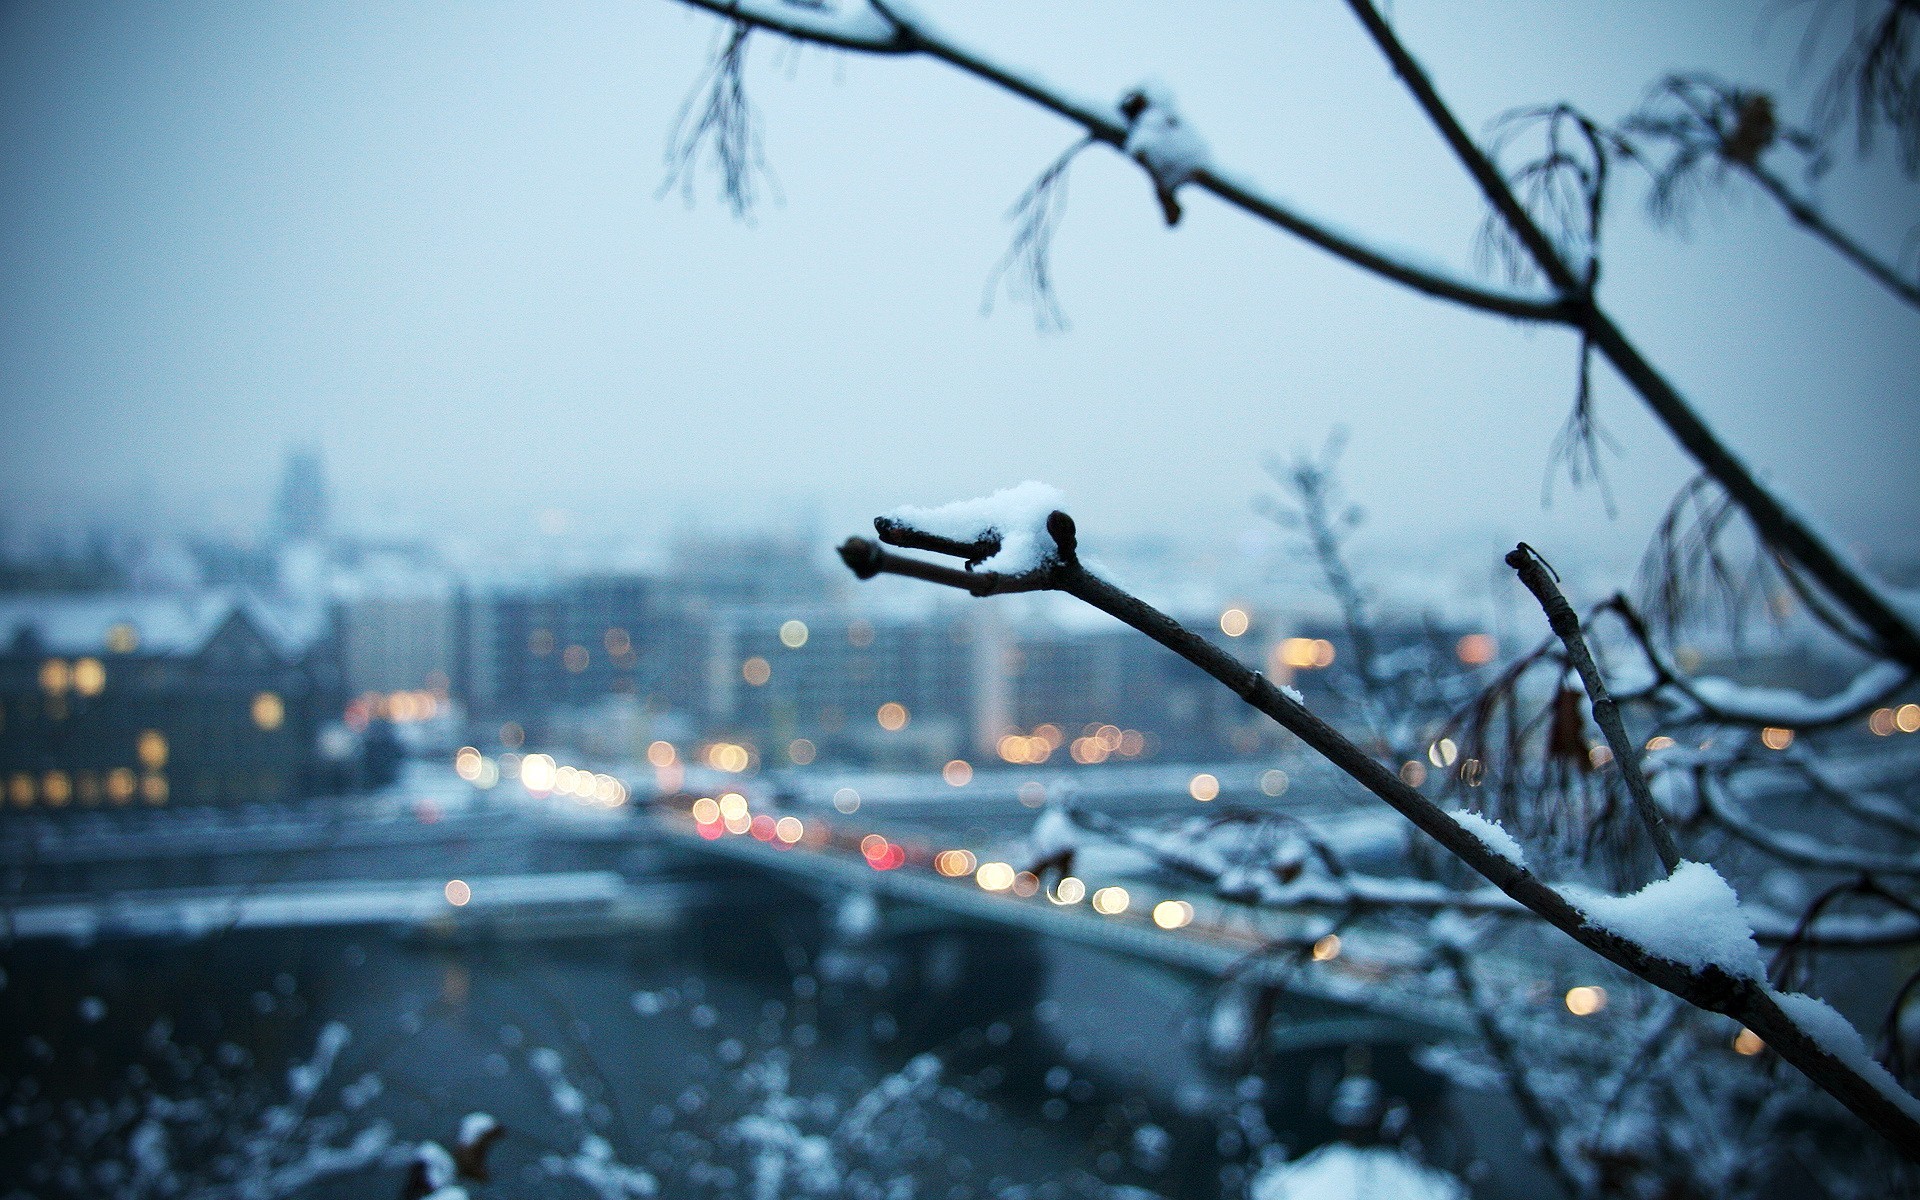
x,y
518,870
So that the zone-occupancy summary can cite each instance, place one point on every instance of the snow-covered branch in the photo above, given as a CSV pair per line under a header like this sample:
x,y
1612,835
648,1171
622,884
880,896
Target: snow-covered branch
x,y
1684,934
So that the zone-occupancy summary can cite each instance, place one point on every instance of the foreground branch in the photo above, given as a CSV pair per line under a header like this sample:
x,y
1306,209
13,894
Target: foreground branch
x,y
1834,1060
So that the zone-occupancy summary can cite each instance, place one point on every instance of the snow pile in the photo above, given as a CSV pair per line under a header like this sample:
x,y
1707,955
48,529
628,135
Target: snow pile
x,y
1692,917
1338,1171
1493,836
1015,517
1837,1036
1053,835
1159,140
476,1125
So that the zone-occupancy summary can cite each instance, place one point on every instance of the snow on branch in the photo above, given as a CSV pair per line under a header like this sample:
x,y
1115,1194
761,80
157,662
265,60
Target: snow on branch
x,y
1733,703
1005,532
1169,148
1692,917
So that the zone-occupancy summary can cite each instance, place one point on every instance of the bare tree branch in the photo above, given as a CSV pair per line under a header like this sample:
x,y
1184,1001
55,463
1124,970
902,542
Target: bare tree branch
x,y
1880,1104
1539,579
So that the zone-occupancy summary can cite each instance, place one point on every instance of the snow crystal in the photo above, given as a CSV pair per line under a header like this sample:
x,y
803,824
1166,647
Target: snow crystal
x,y
1691,917
1837,1036
1338,1171
1017,516
1492,835
1160,141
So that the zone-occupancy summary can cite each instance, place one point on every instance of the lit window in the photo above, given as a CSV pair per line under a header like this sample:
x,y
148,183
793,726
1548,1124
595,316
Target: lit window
x,y
120,785
54,676
89,677
56,788
20,789
123,638
268,711
152,749
153,789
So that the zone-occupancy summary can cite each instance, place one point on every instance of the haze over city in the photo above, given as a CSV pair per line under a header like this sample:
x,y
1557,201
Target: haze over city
x,y
431,242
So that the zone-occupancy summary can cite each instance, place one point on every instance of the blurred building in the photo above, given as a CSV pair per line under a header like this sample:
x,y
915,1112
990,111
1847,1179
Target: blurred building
x,y
300,504
112,700
397,632
524,647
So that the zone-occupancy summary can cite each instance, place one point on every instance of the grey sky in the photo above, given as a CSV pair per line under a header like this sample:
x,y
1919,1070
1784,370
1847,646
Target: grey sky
x,y
426,236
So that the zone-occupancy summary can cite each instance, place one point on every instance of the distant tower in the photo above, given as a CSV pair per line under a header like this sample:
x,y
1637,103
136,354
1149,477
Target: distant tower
x,y
300,509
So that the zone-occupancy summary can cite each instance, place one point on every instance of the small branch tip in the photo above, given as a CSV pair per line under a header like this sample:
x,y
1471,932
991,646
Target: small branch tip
x,y
861,556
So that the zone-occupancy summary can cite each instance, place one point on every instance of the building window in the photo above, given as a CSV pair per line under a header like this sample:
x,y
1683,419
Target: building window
x,y
123,638
20,789
152,749
120,785
153,789
268,711
89,677
54,676
56,788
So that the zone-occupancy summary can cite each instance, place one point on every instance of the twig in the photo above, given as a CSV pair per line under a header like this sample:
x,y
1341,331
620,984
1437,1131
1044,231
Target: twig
x,y
1538,576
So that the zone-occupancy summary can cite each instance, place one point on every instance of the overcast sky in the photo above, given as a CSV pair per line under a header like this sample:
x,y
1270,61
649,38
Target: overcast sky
x,y
427,237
